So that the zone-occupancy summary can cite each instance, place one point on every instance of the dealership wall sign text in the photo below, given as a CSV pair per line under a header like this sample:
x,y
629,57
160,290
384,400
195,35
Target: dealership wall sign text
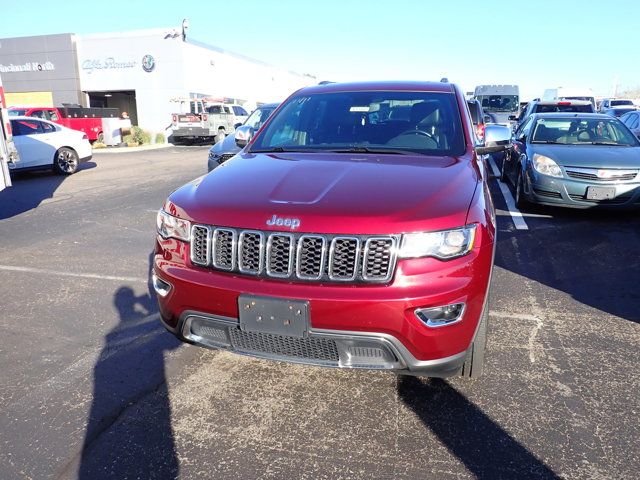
x,y
27,67
108,63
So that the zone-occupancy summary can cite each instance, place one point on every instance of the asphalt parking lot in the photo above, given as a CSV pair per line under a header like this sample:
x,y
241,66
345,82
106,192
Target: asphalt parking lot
x,y
93,387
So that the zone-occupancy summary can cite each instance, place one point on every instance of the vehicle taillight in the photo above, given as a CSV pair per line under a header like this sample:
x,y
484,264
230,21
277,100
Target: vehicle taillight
x,y
564,103
480,131
7,127
204,117
174,118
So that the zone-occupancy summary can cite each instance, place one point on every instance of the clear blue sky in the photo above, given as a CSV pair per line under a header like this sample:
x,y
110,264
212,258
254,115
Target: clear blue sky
x,y
536,44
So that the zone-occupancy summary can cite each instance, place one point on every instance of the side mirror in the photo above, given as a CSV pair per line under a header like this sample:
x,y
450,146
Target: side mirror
x,y
513,118
243,135
497,138
237,125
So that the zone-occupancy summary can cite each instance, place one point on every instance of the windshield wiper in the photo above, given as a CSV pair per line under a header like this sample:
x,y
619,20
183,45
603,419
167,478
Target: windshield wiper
x,y
548,142
375,150
610,143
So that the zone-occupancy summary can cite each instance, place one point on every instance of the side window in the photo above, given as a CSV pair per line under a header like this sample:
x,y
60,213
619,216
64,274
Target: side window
x,y
523,130
633,121
47,127
54,116
215,109
240,111
37,114
26,127
227,110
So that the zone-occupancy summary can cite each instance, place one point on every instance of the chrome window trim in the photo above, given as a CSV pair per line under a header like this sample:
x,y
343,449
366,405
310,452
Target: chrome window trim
x,y
260,253
355,264
292,255
323,255
207,245
392,259
234,246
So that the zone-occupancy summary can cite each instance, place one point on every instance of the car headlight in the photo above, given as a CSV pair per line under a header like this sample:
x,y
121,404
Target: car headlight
x,y
172,227
444,245
546,166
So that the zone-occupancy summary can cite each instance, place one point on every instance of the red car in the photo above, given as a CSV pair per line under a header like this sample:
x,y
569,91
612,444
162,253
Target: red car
x,y
355,230
87,120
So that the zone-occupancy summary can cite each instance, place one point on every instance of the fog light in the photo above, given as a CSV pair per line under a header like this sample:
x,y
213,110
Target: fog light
x,y
440,316
161,287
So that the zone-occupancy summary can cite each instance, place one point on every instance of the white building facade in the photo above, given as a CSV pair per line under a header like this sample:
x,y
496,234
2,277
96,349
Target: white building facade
x,y
149,74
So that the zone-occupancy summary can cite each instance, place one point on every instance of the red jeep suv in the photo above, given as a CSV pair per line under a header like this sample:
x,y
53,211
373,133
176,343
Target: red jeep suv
x,y
354,230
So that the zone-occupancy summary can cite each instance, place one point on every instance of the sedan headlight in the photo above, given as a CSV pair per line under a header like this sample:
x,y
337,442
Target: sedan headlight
x,y
546,166
173,227
444,245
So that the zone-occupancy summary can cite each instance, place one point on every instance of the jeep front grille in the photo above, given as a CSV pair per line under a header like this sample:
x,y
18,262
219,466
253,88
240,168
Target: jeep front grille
x,y
307,257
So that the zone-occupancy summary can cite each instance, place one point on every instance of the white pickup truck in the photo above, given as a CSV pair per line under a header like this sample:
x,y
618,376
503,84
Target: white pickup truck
x,y
207,121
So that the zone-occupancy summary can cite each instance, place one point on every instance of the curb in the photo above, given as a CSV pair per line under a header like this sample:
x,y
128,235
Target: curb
x,y
143,148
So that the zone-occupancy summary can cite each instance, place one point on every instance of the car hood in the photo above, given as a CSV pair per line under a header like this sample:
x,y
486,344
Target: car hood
x,y
332,193
591,156
227,145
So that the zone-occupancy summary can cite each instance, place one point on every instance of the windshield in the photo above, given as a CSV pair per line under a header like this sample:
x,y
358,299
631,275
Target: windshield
x,y
17,112
499,103
582,131
568,107
367,122
617,103
258,117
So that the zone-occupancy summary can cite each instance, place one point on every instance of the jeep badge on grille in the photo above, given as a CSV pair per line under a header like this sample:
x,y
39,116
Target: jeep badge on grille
x,y
291,223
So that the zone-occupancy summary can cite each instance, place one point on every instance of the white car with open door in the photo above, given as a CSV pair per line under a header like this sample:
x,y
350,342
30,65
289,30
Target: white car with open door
x,y
43,144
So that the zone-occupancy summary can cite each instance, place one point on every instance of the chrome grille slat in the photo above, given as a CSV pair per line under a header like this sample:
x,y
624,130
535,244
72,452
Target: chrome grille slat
x,y
295,256
378,253
200,250
344,254
224,248
251,252
310,257
280,255
592,174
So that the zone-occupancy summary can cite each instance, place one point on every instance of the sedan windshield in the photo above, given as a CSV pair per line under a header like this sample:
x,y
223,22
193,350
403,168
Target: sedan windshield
x,y
618,103
367,122
582,131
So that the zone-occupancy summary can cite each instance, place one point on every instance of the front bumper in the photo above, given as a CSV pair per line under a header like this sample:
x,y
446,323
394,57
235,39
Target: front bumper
x,y
568,192
367,326
326,348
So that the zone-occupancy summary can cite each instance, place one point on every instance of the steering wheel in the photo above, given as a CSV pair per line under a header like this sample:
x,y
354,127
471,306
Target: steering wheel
x,y
418,132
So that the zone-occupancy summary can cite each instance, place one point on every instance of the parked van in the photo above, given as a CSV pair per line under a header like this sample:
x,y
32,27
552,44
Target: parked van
x,y
503,101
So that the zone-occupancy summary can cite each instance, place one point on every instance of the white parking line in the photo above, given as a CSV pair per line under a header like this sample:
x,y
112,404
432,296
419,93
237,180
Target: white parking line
x,y
12,268
516,215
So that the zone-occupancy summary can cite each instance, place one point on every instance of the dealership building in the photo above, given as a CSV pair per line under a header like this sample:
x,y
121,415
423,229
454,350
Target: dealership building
x,y
149,74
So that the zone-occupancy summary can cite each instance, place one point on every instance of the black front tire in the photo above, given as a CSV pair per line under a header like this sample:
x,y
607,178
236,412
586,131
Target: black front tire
x,y
65,161
473,365
521,199
503,170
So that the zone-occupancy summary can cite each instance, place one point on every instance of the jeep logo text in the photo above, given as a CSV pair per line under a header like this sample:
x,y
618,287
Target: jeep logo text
x,y
291,223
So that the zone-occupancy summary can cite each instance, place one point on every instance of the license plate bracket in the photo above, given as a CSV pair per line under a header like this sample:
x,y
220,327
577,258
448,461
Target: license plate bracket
x,y
279,316
601,193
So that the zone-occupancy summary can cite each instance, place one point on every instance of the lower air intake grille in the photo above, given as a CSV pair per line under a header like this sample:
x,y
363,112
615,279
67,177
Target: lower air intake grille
x,y
292,347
